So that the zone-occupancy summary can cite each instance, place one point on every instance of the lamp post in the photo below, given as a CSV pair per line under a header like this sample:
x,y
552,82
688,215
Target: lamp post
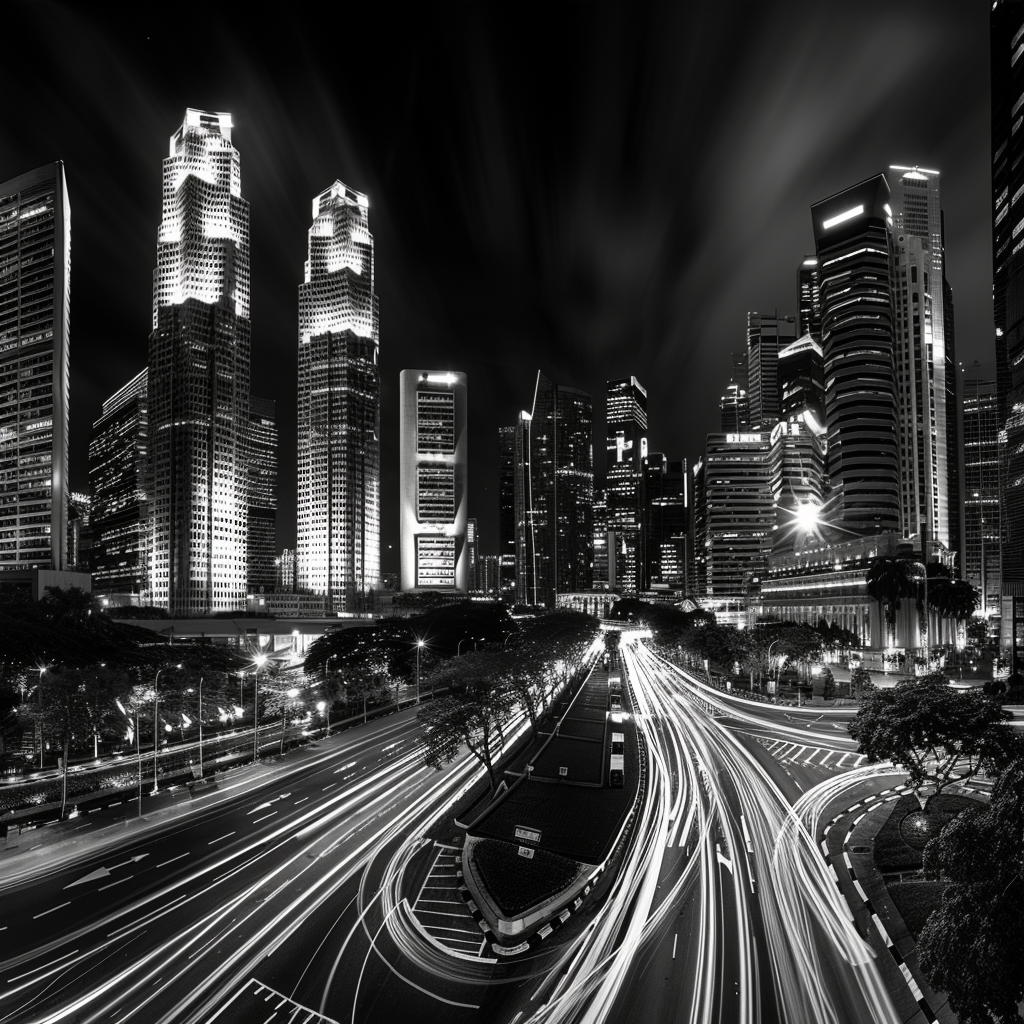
x,y
419,647
259,661
324,709
291,694
770,646
200,727
156,726
39,691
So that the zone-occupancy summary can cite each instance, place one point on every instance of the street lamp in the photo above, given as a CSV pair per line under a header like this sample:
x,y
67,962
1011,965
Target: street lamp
x,y
770,646
156,726
291,694
322,707
259,661
39,691
419,647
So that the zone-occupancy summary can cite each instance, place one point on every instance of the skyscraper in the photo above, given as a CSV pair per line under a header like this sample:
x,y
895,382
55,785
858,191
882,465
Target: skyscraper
x,y
852,235
261,459
199,374
981,492
338,527
526,547
802,379
35,288
561,491
626,448
433,480
1006,24
472,556
506,513
921,352
699,584
665,532
796,466
118,474
808,319
767,333
735,402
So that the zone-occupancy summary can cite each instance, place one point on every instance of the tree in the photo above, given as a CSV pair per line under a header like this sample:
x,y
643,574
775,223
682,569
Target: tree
x,y
889,580
939,736
860,681
972,947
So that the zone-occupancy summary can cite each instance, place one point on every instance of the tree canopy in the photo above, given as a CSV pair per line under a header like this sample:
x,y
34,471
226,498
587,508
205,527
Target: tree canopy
x,y
938,735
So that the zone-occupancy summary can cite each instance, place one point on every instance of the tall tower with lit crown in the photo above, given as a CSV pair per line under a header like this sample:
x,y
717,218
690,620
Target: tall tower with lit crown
x,y
199,374
338,536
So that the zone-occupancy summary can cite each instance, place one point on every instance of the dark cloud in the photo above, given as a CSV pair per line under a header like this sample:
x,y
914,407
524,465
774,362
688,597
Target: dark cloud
x,y
594,190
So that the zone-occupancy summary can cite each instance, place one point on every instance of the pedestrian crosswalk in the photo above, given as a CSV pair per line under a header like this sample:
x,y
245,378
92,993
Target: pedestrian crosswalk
x,y
442,911
260,1004
819,757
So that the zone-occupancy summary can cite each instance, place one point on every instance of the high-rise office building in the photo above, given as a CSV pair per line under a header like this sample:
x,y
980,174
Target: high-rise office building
x,y
954,428
261,458
802,379
433,410
808,319
739,510
735,402
118,475
285,567
797,471
625,450
767,333
699,584
981,566
853,240
1007,70
561,491
79,531
526,547
35,283
665,531
487,576
199,374
507,513
338,514
604,570
920,352
472,556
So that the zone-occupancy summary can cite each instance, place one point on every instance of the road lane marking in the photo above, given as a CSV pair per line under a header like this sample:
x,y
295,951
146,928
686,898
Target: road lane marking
x,y
212,841
297,802
172,860
331,786
51,910
264,818
675,939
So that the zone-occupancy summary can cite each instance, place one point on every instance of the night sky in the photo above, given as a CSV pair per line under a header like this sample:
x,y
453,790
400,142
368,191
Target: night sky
x,y
587,189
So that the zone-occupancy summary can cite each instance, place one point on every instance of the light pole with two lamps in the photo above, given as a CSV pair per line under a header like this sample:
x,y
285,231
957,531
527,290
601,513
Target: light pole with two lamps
x,y
156,724
419,647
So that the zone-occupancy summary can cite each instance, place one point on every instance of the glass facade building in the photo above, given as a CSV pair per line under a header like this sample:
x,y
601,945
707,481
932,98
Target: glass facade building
x,y
981,492
625,451
338,458
35,283
766,335
261,459
665,534
199,375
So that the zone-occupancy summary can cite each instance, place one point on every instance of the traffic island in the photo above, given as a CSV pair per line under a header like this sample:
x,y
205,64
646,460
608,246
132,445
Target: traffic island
x,y
535,852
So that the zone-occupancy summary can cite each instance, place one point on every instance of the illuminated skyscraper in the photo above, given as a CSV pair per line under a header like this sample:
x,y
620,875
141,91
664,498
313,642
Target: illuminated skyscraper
x,y
665,535
338,536
626,449
735,402
853,239
506,513
118,468
561,492
802,379
35,269
261,458
981,492
808,319
921,357
473,583
766,334
433,482
526,548
199,374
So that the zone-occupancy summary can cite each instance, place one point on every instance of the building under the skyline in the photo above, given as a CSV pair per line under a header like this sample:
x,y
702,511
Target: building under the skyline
x,y
808,320
625,451
981,492
802,379
767,333
199,374
338,457
920,353
433,410
507,513
261,459
472,555
735,402
853,241
118,471
35,281
665,540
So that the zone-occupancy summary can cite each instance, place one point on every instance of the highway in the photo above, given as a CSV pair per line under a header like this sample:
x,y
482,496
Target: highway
x,y
315,891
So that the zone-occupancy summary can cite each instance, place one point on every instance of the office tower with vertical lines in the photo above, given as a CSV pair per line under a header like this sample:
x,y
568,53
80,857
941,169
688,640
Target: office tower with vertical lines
x,y
766,334
665,533
35,282
118,473
920,352
261,459
853,242
735,401
338,527
199,374
981,492
626,448
808,296
506,513
433,410
802,379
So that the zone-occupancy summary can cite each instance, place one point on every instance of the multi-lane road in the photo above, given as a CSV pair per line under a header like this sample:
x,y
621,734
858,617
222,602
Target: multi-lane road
x,y
319,892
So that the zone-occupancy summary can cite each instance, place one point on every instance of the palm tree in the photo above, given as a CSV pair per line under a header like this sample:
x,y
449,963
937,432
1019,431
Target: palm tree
x,y
889,580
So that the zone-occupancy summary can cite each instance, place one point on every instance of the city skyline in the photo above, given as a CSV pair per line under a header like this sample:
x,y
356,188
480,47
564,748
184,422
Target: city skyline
x,y
669,313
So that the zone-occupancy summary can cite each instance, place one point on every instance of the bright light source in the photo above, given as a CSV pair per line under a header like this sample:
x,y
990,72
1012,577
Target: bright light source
x,y
293,693
839,218
807,516
320,705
